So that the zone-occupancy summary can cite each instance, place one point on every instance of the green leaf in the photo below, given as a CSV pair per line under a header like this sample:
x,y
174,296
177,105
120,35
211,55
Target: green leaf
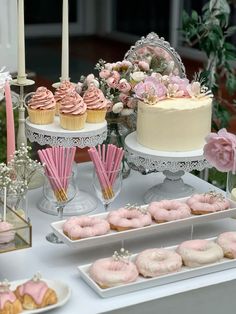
x,y
230,31
194,15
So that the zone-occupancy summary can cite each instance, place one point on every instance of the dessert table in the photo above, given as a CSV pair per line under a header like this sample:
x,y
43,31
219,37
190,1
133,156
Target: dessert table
x,y
212,293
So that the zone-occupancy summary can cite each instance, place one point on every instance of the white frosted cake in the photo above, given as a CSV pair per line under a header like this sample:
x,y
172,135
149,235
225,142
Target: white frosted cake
x,y
179,124
169,123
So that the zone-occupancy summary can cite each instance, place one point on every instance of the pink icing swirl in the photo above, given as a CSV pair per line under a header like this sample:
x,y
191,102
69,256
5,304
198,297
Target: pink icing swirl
x,y
6,296
65,88
94,98
42,99
73,104
36,289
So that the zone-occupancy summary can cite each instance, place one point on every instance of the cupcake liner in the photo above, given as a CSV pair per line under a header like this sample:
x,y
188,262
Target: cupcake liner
x,y
96,116
38,116
72,122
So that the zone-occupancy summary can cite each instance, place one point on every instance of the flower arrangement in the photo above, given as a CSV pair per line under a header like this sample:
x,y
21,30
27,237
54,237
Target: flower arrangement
x,y
3,77
18,173
117,80
157,87
220,150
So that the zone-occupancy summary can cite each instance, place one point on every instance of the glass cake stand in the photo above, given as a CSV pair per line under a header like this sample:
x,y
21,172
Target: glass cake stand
x,y
172,164
53,135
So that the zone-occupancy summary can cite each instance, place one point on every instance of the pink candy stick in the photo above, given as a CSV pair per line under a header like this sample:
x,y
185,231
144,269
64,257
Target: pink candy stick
x,y
117,164
99,151
104,154
99,167
113,150
50,171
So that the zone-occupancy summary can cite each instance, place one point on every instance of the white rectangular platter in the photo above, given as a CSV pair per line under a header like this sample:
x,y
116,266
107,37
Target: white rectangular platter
x,y
143,283
114,236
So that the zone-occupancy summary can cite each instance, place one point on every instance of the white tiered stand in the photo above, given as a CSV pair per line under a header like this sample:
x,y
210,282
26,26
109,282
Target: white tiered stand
x,y
172,164
53,135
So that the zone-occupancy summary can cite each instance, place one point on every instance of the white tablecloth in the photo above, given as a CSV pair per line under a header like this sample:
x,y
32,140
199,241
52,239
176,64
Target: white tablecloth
x,y
213,293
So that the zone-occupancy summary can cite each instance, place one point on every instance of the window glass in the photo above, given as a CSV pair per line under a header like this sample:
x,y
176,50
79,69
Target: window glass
x,y
48,11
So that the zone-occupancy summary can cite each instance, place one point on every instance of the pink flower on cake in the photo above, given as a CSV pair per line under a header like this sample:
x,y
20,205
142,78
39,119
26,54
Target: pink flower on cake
x,y
220,150
150,90
181,82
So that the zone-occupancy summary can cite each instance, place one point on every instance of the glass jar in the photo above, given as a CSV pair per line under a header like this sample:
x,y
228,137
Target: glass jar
x,y
118,127
231,186
15,202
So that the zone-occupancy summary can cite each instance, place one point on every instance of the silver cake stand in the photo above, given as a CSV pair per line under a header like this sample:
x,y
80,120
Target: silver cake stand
x,y
172,164
53,135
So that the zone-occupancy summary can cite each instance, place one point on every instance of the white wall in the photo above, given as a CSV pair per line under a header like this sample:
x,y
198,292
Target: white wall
x,y
8,34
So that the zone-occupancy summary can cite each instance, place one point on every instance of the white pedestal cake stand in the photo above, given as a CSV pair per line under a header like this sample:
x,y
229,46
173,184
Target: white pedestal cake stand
x,y
53,135
172,164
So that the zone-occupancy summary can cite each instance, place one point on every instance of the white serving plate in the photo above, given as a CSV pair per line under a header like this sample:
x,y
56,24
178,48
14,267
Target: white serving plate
x,y
113,236
143,283
63,292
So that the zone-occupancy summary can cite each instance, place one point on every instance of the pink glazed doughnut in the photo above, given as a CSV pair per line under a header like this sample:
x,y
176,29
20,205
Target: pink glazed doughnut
x,y
85,227
206,203
227,241
125,219
157,262
107,272
168,210
199,252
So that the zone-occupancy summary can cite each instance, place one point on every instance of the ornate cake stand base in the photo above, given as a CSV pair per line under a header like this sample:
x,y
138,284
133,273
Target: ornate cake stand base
x,y
173,186
172,164
82,204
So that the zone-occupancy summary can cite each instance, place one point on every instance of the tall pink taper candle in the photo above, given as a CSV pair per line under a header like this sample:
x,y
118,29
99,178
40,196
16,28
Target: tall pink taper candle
x,y
11,146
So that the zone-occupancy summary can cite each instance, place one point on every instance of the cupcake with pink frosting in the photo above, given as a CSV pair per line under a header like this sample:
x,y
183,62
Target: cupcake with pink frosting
x,y
72,112
65,88
96,104
42,106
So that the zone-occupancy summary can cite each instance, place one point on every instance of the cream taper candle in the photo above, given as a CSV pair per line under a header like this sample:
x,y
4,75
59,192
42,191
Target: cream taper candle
x,y
65,42
21,43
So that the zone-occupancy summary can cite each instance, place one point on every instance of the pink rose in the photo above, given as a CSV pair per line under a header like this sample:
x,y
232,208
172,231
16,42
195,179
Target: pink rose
x,y
132,103
143,65
220,150
123,98
105,74
112,82
116,75
124,86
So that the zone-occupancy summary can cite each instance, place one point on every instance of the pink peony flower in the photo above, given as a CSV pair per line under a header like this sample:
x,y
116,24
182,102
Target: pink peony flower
x,y
124,86
105,74
181,82
151,90
220,150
